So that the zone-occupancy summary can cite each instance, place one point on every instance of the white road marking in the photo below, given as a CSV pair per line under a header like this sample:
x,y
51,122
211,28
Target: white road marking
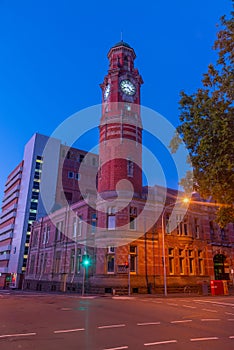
x,y
66,308
215,302
148,323
209,310
119,348
229,313
157,302
69,330
123,298
231,319
201,339
210,319
220,305
112,326
161,342
172,304
17,335
190,307
88,297
231,337
182,321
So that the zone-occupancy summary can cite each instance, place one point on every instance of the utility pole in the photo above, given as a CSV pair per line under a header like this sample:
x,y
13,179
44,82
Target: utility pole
x,y
129,276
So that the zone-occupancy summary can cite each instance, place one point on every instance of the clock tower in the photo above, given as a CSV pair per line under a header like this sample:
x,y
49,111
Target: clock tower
x,y
120,126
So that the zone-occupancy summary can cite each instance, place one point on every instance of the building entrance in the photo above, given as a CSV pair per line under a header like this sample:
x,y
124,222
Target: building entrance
x,y
221,268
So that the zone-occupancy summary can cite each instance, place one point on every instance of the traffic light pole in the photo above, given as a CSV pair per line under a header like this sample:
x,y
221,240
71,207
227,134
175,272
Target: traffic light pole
x,y
83,282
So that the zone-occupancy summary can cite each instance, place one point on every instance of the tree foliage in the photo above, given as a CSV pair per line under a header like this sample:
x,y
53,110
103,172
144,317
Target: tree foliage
x,y
207,126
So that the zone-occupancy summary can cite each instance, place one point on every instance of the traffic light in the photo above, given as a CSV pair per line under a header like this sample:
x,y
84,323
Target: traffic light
x,y
86,261
126,264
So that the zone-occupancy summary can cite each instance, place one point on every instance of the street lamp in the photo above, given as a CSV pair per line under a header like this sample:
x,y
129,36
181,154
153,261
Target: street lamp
x,y
184,200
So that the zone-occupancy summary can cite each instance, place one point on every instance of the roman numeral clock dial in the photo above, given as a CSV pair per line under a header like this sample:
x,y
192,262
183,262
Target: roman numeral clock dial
x,y
128,87
107,92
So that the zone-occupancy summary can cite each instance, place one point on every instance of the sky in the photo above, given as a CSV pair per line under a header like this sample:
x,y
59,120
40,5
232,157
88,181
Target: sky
x,y
54,56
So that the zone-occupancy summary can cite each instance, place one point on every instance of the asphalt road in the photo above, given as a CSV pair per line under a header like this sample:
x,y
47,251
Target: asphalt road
x,y
49,322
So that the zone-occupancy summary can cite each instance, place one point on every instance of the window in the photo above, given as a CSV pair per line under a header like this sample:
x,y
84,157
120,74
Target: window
x,y
212,232
167,223
40,267
34,205
191,262
32,216
77,176
111,250
32,264
36,185
93,223
44,235
111,219
77,226
81,157
133,258
110,263
94,162
37,175
200,262
222,234
171,260
48,234
38,166
181,261
132,218
74,227
72,261
35,238
57,262
59,230
80,225
111,222
70,174
78,260
182,225
35,194
44,263
196,228
185,227
130,167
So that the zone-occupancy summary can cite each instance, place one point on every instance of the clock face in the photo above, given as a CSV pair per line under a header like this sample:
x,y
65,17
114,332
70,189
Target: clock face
x,y
128,87
107,92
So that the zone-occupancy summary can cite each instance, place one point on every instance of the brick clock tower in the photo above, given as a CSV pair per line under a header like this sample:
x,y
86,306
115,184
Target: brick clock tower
x,y
120,151
120,126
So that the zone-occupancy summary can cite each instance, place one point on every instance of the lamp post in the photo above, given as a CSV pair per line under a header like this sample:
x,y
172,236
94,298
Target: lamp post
x,y
184,200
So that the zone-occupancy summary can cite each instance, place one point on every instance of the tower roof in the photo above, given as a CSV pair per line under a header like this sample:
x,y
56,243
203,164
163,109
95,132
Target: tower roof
x,y
122,43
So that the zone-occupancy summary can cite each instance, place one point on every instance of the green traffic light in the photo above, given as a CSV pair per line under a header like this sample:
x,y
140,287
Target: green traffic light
x,y
86,260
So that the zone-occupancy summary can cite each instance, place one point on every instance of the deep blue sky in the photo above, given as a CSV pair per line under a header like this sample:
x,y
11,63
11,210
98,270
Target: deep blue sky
x,y
53,57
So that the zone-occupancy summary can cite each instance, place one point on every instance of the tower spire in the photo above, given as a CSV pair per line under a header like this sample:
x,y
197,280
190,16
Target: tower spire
x,y
121,35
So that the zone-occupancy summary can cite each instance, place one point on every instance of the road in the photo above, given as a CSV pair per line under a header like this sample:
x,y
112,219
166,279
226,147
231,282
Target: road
x,y
47,321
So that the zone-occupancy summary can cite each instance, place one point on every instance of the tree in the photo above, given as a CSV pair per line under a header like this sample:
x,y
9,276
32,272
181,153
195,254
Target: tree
x,y
207,127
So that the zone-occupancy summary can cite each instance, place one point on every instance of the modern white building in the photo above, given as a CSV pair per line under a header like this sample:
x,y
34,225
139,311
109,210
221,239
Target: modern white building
x,y
21,205
41,182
